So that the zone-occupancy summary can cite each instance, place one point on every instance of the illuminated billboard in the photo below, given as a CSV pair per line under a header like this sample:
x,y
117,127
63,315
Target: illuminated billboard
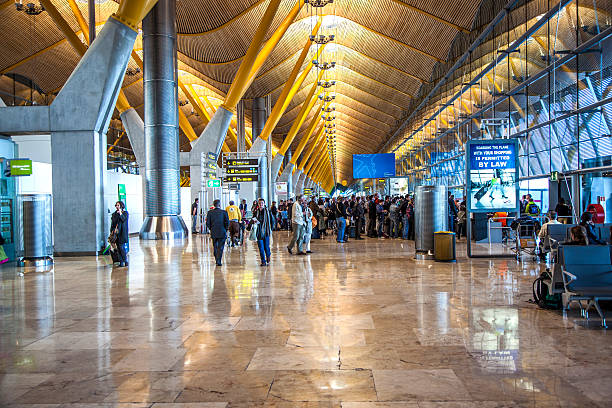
x,y
492,175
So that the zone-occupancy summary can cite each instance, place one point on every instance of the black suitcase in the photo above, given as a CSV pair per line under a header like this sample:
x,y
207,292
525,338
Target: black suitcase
x,y
315,234
114,255
480,193
352,231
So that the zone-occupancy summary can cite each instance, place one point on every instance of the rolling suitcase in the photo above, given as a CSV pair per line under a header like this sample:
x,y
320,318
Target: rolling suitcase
x,y
315,234
114,255
480,193
352,231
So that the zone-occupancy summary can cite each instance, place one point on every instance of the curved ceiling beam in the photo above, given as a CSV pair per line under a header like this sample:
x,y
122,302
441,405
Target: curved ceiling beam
x,y
338,81
337,65
355,138
292,55
36,54
371,30
344,128
374,80
372,128
389,125
363,125
257,3
432,16
339,96
228,22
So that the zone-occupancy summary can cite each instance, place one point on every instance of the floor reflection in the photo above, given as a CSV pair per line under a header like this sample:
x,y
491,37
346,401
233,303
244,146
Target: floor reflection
x,y
349,326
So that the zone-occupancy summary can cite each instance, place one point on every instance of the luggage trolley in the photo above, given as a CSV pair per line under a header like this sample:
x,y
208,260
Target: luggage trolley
x,y
525,236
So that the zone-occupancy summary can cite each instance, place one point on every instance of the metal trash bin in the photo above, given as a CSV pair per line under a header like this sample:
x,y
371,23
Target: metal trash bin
x,y
430,215
444,246
34,244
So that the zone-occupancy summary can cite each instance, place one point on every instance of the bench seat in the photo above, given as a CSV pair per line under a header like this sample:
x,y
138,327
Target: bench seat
x,y
587,276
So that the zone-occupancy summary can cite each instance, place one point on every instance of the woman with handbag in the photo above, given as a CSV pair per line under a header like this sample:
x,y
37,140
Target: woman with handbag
x,y
263,230
119,232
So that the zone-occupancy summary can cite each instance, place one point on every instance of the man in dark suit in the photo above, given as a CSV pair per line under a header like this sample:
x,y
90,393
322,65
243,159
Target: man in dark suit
x,y
217,222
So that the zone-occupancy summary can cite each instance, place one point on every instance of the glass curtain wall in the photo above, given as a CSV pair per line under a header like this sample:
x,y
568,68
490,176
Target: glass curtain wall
x,y
543,77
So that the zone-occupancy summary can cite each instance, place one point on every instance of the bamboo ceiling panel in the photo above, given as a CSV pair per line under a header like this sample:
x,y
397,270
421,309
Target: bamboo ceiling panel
x,y
459,12
51,69
384,50
365,109
202,16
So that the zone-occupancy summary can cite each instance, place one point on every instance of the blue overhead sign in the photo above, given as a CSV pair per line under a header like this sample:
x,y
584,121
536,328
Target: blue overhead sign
x,y
374,165
492,156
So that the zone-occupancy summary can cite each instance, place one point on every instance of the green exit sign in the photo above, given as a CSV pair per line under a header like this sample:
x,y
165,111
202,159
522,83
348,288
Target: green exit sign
x,y
554,176
20,167
121,192
213,183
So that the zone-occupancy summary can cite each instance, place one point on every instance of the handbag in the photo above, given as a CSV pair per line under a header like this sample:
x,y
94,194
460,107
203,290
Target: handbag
x,y
314,221
112,238
253,234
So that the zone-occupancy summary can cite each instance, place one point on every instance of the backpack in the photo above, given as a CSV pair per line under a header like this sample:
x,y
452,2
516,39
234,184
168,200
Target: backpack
x,y
533,209
540,293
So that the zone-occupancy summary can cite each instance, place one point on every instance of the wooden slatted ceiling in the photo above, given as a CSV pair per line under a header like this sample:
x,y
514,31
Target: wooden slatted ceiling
x,y
192,17
385,51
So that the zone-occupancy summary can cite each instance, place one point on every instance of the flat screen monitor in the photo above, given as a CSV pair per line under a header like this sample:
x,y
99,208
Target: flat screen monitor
x,y
373,165
492,175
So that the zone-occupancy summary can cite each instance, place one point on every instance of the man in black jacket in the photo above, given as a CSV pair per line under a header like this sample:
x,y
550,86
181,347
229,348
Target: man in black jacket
x,y
357,216
372,218
217,222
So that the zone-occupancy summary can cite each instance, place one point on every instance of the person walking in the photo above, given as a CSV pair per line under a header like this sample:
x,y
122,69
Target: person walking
x,y
290,214
264,220
372,218
452,213
532,208
194,216
274,213
235,217
358,217
564,211
307,229
217,222
119,226
298,225
394,219
341,219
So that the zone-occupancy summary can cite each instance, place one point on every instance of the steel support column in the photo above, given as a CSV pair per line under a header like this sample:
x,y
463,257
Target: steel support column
x,y
258,121
162,176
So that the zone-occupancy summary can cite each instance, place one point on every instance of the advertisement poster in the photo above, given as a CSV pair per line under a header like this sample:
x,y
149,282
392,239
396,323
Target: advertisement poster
x,y
492,175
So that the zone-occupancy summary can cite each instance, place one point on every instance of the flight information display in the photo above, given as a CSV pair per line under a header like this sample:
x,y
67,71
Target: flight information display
x,y
373,165
241,170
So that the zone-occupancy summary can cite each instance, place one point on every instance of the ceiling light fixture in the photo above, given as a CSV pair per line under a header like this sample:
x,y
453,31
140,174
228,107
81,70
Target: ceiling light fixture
x,y
318,3
324,65
326,84
132,71
322,39
30,9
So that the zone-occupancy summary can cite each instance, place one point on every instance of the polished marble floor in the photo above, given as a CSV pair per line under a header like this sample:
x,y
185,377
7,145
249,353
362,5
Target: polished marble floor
x,y
353,325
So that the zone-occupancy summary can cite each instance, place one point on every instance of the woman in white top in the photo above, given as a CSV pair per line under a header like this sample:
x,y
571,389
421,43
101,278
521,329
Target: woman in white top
x,y
308,229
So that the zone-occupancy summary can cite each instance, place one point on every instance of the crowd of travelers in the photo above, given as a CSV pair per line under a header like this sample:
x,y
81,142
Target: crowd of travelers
x,y
346,218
